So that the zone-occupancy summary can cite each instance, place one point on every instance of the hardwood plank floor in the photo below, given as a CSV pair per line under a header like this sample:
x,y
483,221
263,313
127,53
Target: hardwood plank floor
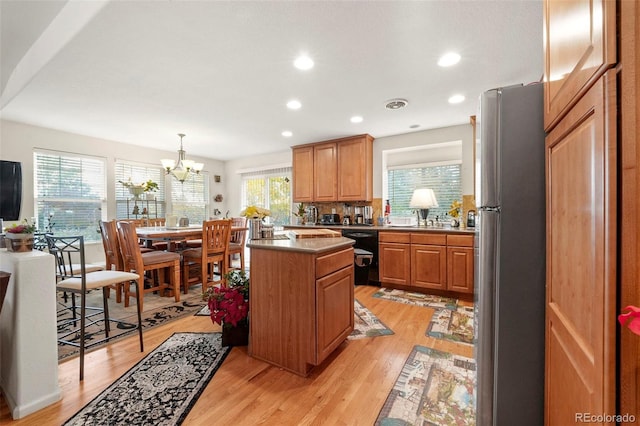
x,y
349,388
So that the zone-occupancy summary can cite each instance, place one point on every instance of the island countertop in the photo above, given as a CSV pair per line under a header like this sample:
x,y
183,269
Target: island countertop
x,y
302,245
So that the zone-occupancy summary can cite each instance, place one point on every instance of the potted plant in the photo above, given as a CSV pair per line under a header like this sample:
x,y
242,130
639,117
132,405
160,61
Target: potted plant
x,y
137,189
229,307
300,214
20,236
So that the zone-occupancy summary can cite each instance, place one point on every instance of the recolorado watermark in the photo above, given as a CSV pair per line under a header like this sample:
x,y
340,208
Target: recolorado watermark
x,y
604,418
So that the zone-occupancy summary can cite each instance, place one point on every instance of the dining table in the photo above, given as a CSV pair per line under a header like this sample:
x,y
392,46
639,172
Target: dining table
x,y
173,235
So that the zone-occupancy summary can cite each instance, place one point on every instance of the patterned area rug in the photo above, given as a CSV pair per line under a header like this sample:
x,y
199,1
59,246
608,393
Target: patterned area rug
x,y
162,388
434,388
420,299
158,310
365,323
456,326
451,321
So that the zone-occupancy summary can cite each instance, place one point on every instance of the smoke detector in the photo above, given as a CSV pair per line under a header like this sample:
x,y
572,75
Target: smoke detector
x,y
396,103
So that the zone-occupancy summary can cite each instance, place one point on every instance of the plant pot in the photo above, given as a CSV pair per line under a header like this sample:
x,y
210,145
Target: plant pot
x,y
235,336
136,191
19,242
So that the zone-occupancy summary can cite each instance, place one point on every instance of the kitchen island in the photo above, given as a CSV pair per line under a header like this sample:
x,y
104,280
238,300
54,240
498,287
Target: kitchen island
x,y
301,300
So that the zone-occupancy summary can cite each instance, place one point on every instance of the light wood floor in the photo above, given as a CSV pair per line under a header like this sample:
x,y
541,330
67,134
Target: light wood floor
x,y
349,388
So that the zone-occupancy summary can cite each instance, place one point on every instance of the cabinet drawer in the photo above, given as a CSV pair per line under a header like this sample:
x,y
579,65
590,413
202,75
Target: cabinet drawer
x,y
334,261
394,237
460,240
431,239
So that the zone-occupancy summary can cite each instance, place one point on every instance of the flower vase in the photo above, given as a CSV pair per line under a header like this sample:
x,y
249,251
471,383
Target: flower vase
x,y
235,335
19,242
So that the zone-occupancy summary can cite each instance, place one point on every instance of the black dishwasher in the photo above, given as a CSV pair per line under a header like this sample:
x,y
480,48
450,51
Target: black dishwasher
x,y
365,239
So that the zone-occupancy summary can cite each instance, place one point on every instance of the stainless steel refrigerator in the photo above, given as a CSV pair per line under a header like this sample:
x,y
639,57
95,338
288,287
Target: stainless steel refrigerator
x,y
510,258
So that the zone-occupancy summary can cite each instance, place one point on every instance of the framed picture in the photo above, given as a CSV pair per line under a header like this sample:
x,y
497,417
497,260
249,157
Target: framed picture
x,y
217,178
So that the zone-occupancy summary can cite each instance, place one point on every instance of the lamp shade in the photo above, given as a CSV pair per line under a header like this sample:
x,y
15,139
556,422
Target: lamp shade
x,y
423,198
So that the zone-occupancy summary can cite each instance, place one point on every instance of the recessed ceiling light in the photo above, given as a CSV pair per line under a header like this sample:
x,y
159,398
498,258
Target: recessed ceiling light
x,y
449,59
356,119
456,99
294,104
396,103
287,133
303,62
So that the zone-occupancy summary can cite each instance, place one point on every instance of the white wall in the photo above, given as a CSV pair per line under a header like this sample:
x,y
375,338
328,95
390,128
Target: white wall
x,y
463,133
17,142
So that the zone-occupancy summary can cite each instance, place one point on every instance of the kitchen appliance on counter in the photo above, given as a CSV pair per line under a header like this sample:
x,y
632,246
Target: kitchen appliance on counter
x,y
510,258
330,219
312,215
359,216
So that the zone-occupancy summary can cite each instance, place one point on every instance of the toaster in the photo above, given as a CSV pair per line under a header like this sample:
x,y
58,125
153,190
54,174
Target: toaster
x,y
331,219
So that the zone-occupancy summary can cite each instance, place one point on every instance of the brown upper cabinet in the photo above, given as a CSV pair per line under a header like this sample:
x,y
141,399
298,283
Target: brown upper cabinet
x,y
580,45
335,170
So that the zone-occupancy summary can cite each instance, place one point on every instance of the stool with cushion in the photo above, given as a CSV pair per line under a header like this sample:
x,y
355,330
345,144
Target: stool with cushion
x,y
75,278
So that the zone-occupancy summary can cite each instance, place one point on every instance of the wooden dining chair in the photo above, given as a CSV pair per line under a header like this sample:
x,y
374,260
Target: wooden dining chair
x,y
112,253
136,261
75,278
214,252
238,238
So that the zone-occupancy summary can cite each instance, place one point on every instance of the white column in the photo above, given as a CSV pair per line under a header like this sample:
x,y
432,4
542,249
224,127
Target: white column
x,y
28,335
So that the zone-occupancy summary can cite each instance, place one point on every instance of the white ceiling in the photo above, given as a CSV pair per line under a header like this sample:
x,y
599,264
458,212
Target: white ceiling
x,y
140,72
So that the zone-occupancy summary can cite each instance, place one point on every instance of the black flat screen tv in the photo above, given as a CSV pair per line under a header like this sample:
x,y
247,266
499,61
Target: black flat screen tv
x,y
10,190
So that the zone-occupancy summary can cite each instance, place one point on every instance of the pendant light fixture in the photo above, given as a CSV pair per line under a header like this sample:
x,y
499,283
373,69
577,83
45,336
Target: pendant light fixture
x,y
183,168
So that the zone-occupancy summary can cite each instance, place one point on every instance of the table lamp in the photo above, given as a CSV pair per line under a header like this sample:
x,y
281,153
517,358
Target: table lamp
x,y
423,199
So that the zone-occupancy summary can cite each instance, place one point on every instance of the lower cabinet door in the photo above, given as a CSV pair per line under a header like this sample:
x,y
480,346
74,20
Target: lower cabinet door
x,y
429,266
334,310
460,269
394,263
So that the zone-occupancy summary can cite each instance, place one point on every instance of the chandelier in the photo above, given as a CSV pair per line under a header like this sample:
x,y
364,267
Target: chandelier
x,y
183,168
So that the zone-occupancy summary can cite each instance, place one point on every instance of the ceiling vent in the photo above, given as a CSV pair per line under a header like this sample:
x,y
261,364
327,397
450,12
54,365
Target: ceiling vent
x,y
396,103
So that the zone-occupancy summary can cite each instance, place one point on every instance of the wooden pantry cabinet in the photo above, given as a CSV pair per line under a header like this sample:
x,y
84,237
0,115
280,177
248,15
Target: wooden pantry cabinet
x,y
336,170
426,261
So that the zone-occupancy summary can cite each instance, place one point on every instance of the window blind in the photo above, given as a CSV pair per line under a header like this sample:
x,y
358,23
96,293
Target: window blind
x,y
70,193
444,179
191,198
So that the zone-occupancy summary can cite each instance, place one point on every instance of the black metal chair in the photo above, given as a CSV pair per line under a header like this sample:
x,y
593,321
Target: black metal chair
x,y
73,277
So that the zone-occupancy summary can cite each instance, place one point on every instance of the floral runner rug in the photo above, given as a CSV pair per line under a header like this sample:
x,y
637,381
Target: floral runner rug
x,y
158,310
451,321
366,324
160,389
434,388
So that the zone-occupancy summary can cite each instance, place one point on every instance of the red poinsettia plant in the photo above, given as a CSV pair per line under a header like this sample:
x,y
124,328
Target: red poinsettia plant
x,y
631,319
229,305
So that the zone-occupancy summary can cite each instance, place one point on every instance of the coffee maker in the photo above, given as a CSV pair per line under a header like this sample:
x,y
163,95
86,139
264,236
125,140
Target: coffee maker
x,y
346,216
312,215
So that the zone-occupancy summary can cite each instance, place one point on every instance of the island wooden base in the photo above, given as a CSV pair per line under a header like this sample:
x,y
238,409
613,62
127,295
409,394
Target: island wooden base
x,y
301,306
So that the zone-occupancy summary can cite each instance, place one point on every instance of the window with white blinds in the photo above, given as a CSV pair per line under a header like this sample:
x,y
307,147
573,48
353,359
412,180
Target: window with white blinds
x,y
69,193
444,179
270,189
138,173
190,199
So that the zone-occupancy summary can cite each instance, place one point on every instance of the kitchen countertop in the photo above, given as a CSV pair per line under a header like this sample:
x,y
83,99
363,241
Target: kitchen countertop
x,y
446,228
305,245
